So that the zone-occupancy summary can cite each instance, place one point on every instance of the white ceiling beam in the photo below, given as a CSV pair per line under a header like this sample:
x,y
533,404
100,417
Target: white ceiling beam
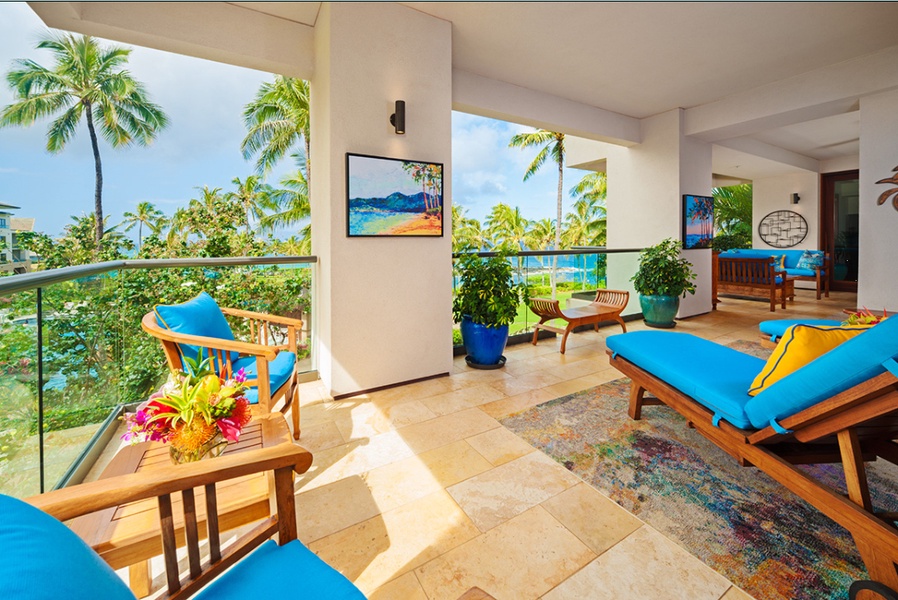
x,y
770,152
499,100
212,30
823,92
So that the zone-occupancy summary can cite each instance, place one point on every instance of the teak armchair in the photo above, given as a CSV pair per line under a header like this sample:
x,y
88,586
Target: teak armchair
x,y
199,327
53,562
607,306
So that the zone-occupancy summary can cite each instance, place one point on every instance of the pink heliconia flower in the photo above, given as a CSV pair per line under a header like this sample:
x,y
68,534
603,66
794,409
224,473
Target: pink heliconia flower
x,y
229,428
240,376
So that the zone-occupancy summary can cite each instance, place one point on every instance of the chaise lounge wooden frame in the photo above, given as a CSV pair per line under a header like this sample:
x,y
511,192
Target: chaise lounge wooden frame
x,y
854,426
607,306
756,277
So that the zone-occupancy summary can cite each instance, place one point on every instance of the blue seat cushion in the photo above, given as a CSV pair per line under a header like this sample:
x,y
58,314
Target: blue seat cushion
x,y
777,327
715,376
279,371
801,273
792,257
199,316
288,571
859,359
45,560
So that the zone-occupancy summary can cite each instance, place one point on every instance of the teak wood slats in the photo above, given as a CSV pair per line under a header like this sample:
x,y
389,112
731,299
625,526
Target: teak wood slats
x,y
181,522
755,277
854,426
607,306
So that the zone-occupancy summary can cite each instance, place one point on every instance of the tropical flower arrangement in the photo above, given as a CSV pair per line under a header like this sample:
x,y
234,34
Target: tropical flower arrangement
x,y
865,317
196,412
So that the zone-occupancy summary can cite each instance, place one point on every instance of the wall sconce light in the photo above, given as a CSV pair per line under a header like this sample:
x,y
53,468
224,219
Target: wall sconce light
x,y
397,119
795,198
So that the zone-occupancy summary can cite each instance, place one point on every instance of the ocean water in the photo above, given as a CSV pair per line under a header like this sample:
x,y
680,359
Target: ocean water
x,y
697,241
373,222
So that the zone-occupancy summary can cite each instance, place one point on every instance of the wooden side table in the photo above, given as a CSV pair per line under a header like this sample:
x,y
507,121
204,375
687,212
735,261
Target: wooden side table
x,y
129,535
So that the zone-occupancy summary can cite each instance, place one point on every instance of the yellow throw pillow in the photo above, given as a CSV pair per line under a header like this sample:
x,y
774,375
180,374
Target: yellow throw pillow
x,y
800,345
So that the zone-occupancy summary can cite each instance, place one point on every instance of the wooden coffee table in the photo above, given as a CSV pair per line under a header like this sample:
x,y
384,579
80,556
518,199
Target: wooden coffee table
x,y
129,535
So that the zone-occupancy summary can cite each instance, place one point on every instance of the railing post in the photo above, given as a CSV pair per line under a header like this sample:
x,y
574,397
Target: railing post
x,y
40,384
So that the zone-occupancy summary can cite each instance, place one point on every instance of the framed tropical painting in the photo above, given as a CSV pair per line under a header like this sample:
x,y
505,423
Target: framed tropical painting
x,y
698,221
393,197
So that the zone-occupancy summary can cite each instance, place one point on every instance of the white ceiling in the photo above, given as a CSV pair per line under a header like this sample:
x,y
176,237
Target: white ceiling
x,y
644,58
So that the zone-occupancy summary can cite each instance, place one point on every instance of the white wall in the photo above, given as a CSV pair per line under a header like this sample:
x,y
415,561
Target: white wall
x,y
775,193
384,304
878,270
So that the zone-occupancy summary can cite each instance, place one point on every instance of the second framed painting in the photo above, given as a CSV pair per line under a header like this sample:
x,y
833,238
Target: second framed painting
x,y
698,221
393,197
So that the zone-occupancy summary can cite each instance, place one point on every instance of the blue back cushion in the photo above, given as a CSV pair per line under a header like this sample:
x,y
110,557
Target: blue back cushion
x,y
853,362
44,560
792,256
199,316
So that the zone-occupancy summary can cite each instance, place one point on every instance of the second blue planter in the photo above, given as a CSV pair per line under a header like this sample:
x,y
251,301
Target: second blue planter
x,y
483,344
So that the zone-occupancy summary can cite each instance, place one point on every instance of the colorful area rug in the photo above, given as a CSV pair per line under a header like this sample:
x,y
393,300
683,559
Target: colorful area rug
x,y
737,520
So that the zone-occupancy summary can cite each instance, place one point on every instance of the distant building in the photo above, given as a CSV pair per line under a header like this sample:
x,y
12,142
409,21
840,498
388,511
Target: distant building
x,y
12,257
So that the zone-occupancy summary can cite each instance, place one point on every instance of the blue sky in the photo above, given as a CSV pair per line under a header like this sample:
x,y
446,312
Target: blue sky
x,y
201,146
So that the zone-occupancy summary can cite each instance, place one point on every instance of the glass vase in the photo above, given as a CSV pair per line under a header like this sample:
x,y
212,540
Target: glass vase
x,y
213,447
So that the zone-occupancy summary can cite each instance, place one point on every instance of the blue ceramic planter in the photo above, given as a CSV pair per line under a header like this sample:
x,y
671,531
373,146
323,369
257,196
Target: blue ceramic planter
x,y
659,311
483,344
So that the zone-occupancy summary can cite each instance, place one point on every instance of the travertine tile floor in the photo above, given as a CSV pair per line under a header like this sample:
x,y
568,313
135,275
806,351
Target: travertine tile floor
x,y
419,492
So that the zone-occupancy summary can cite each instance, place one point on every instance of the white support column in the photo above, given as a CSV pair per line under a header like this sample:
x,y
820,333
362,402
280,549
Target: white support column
x,y
383,304
877,284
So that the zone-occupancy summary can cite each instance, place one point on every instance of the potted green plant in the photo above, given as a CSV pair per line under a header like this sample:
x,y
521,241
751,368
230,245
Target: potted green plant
x,y
663,276
486,303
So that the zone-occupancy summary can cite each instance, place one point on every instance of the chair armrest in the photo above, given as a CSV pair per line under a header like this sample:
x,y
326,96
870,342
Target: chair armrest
x,y
85,498
248,314
258,350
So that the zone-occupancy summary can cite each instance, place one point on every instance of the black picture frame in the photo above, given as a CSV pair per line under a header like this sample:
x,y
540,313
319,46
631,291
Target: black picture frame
x,y
383,199
697,219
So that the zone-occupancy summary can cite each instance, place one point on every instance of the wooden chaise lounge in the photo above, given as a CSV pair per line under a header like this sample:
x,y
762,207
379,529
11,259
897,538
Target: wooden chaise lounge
x,y
607,306
841,407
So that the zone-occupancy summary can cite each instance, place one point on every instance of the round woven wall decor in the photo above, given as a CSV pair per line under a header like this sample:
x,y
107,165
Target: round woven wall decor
x,y
783,229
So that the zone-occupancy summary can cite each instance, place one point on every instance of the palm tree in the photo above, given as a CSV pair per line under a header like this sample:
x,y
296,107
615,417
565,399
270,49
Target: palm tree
x,y
253,197
593,186
551,144
732,209
467,234
146,214
586,224
290,203
87,80
276,120
507,227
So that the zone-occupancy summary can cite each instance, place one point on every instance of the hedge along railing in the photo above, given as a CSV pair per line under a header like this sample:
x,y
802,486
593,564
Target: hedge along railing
x,y
72,337
581,271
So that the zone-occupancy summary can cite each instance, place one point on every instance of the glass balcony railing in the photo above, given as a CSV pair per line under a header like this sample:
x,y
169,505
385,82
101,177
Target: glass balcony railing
x,y
579,273
73,353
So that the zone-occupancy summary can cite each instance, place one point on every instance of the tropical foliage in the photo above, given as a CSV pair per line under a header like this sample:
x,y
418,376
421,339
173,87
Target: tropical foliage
x,y
87,81
551,145
732,216
662,272
487,292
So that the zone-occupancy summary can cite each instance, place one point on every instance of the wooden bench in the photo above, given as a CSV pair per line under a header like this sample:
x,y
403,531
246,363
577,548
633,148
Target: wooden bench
x,y
754,277
607,306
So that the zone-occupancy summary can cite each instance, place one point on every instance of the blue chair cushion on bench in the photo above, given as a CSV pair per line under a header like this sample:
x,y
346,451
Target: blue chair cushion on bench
x,y
288,571
45,560
775,328
859,359
715,376
800,273
791,256
199,316
279,371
